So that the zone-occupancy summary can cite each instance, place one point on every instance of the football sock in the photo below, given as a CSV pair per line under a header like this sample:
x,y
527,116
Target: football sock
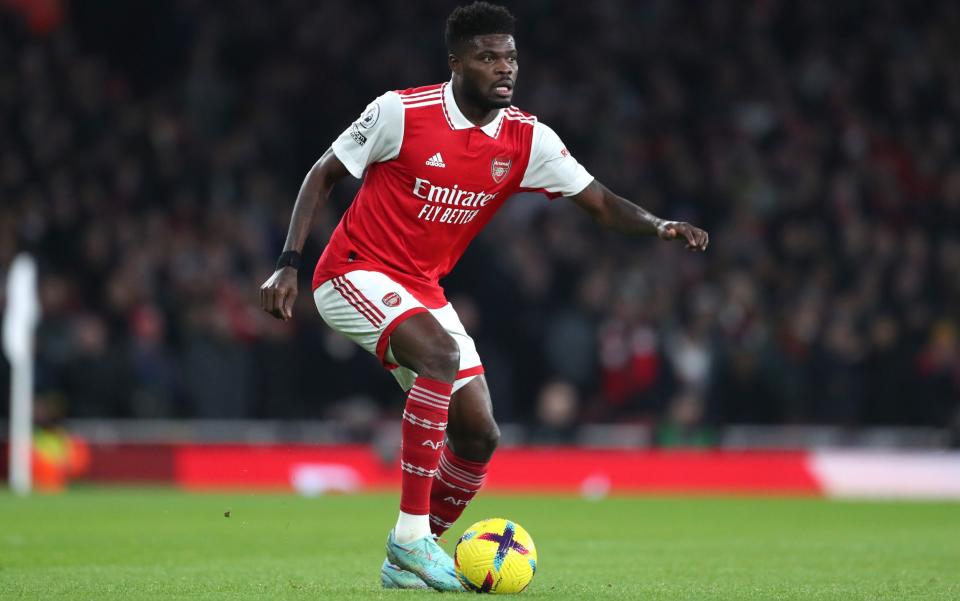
x,y
424,424
455,484
410,527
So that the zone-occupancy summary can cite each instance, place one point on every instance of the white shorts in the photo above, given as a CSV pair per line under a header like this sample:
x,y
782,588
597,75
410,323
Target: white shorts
x,y
367,306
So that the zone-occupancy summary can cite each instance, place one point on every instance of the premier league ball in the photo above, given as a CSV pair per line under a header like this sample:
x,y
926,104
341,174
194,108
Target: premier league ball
x,y
495,556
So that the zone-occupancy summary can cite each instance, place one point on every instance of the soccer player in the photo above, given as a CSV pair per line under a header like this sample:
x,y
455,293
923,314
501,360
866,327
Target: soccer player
x,y
437,162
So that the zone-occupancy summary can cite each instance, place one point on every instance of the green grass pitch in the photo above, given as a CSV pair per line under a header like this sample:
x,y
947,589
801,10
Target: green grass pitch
x,y
155,544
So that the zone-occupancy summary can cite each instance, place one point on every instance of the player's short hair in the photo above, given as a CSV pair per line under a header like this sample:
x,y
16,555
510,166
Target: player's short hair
x,y
479,18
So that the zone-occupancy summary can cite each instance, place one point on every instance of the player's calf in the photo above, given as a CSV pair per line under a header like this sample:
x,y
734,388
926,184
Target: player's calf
x,y
455,484
422,431
476,444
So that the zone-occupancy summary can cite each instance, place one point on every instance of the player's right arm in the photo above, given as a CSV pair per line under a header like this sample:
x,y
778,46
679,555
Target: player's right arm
x,y
374,137
279,292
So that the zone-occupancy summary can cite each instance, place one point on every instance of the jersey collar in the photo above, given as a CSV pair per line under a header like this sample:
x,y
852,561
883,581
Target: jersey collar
x,y
457,120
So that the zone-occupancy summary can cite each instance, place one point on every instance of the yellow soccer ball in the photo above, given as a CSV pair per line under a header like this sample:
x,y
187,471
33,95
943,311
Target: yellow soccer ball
x,y
495,556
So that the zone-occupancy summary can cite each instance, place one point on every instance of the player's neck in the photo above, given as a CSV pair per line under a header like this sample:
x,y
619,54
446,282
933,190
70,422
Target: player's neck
x,y
474,113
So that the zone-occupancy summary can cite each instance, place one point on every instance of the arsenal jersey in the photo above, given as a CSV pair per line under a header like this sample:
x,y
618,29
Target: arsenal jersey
x,y
431,181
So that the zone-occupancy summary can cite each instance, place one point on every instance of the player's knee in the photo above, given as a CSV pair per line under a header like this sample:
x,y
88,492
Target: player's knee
x,y
442,361
489,439
479,443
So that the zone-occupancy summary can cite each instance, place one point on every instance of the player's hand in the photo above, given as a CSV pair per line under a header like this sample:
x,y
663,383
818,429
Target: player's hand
x,y
279,292
696,238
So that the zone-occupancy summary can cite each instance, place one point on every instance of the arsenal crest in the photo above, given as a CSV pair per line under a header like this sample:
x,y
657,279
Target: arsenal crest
x,y
500,168
391,299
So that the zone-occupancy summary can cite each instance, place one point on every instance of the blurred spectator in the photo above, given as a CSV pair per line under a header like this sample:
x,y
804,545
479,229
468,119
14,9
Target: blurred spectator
x,y
157,373
57,455
98,380
557,412
683,425
938,366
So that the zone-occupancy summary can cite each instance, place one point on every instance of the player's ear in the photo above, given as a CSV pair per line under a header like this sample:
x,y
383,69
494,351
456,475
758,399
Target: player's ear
x,y
455,65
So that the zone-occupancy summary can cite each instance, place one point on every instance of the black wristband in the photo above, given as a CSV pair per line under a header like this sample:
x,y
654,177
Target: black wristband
x,y
289,258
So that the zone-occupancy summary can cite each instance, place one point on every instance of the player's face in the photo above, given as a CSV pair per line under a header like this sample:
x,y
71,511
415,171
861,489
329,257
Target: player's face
x,y
488,67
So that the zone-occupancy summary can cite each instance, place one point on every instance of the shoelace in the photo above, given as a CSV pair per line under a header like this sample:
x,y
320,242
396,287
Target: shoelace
x,y
424,552
436,541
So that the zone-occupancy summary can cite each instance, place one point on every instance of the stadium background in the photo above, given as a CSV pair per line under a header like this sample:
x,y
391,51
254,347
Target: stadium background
x,y
656,406
150,154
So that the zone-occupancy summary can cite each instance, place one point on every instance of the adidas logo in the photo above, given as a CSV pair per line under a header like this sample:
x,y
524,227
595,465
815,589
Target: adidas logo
x,y
435,161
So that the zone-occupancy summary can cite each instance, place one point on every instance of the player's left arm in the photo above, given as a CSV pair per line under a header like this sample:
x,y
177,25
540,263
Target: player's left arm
x,y
618,213
552,169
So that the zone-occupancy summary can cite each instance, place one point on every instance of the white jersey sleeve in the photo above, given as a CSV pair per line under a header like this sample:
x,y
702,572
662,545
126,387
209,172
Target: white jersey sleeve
x,y
374,137
552,167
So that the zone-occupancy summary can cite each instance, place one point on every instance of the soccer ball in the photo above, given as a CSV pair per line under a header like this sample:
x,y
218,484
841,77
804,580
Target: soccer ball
x,y
495,556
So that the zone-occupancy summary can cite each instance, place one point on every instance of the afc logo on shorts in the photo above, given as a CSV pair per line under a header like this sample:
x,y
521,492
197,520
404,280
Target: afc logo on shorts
x,y
391,299
500,168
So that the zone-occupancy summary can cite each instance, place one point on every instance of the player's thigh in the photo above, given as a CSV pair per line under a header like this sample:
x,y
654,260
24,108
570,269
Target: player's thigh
x,y
366,307
470,364
422,345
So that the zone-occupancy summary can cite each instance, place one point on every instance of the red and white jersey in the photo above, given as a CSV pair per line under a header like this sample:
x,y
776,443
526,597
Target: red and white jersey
x,y
431,181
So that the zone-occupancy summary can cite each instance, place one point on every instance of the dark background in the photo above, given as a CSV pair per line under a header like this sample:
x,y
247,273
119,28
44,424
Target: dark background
x,y
150,154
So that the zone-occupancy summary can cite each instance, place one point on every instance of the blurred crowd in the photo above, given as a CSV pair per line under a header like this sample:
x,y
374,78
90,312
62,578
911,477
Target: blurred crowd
x,y
150,154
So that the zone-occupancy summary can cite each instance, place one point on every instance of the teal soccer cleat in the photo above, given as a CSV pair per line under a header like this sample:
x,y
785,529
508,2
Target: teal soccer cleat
x,y
426,559
392,576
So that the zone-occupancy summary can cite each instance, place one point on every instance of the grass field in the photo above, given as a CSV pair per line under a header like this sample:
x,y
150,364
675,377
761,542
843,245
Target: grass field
x,y
110,544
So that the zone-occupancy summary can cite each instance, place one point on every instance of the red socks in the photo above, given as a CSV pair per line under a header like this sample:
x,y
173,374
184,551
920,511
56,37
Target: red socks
x,y
424,424
434,480
455,484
